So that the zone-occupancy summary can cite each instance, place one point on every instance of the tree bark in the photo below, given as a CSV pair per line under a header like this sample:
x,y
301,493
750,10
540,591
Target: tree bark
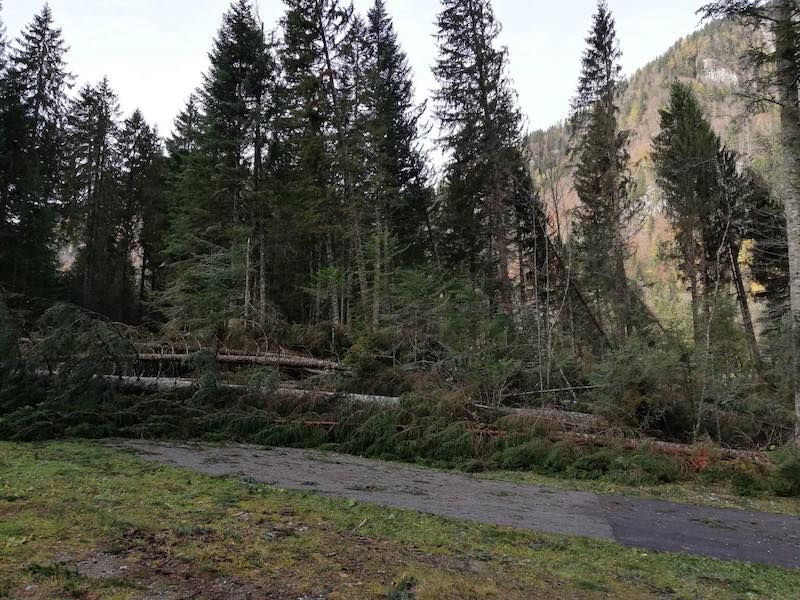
x,y
695,298
247,300
334,294
744,306
262,276
361,267
378,277
788,72
277,360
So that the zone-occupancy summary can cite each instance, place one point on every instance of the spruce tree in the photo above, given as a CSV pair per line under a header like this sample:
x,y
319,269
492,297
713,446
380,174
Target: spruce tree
x,y
708,202
778,69
684,154
39,61
399,184
600,150
481,133
35,93
216,191
143,207
96,213
316,101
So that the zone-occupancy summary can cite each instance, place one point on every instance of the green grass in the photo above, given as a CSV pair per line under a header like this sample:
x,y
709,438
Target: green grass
x,y
717,495
67,505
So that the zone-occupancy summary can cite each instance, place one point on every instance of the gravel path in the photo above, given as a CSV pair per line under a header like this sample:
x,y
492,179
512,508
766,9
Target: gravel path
x,y
753,537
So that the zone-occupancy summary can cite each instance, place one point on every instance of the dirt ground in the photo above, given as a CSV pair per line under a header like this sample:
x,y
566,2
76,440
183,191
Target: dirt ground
x,y
760,538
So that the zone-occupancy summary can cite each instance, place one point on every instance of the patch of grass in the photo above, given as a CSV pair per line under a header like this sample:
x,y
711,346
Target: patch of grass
x,y
75,500
718,494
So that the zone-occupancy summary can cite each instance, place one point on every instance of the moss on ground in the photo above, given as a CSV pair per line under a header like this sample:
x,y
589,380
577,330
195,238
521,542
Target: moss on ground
x,y
78,520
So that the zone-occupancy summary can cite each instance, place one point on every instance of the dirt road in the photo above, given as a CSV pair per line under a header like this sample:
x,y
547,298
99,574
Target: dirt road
x,y
662,526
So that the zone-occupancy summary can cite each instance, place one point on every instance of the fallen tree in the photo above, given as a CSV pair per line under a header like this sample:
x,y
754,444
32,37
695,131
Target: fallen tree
x,y
268,359
172,384
574,421
563,419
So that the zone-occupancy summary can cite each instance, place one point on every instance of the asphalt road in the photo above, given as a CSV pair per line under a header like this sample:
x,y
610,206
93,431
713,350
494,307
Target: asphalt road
x,y
754,537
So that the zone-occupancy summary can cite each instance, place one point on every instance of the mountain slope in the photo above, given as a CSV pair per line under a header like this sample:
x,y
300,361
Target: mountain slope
x,y
711,61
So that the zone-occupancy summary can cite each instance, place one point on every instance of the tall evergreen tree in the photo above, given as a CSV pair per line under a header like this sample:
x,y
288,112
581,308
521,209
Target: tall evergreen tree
x,y
707,201
481,132
218,195
143,207
97,215
399,186
602,182
778,69
38,76
685,155
316,101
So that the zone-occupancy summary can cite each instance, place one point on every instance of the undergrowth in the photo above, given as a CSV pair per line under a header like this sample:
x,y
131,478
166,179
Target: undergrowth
x,y
56,393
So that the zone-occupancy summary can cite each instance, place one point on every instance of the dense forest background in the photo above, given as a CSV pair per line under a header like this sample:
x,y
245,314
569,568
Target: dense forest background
x,y
631,261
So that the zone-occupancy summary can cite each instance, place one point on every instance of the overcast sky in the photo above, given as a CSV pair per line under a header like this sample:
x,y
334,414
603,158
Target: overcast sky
x,y
154,51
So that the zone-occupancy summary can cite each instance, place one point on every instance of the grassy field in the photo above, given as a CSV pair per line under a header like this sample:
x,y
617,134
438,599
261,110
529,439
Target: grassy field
x,y
82,521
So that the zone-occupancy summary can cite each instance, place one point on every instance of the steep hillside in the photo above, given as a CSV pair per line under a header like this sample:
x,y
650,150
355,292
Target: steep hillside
x,y
711,60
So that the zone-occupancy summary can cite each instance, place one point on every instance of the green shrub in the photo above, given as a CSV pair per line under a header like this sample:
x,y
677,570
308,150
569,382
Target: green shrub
x,y
559,458
592,466
746,481
786,475
528,456
645,468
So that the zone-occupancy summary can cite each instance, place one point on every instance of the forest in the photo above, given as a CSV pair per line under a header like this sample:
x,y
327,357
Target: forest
x,y
292,266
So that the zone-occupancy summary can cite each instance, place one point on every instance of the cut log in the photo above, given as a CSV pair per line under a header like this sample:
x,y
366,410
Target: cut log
x,y
275,360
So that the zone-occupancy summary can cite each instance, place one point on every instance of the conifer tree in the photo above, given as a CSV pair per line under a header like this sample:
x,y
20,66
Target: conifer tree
x,y
315,99
37,75
481,132
398,185
778,68
39,61
685,153
96,213
600,150
143,208
216,191
707,201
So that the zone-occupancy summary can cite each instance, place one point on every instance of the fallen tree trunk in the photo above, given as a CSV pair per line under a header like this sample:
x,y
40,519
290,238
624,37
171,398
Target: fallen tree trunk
x,y
564,419
171,384
274,360
700,456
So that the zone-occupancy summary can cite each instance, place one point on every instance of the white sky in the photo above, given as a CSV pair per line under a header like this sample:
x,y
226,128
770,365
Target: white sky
x,y
154,51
